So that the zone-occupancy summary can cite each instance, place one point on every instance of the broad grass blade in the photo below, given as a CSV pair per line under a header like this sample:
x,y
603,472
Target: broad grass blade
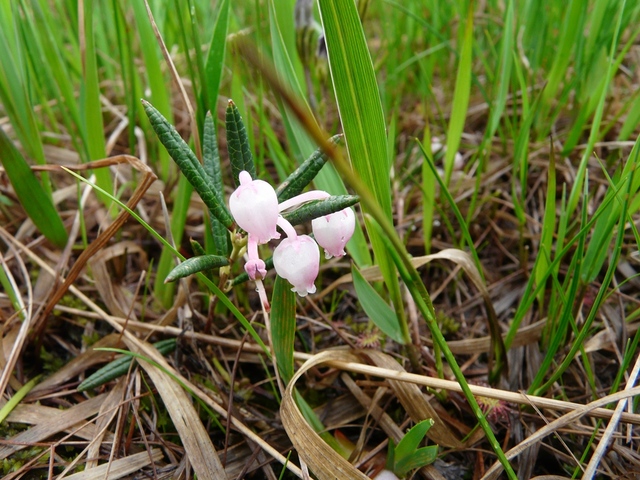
x,y
300,143
283,327
460,96
36,202
380,313
362,118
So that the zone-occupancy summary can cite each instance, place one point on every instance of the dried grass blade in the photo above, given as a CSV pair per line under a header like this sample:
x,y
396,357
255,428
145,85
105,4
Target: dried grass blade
x,y
108,411
322,460
33,414
195,439
119,468
55,424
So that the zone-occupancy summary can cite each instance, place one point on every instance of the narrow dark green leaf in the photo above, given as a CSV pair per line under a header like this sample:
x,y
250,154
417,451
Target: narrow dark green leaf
x,y
238,144
32,196
376,308
120,366
319,208
304,174
188,164
196,264
211,160
283,327
196,247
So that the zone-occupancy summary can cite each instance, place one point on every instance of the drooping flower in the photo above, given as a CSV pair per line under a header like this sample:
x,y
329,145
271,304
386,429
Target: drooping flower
x,y
333,231
297,259
254,206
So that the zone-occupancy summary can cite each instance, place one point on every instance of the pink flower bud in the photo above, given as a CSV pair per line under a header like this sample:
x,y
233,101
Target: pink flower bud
x,y
333,231
254,206
256,269
297,259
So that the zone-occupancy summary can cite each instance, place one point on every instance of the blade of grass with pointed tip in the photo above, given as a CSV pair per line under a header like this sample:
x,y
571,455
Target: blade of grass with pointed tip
x,y
360,109
548,226
572,27
502,81
90,105
299,141
156,80
14,93
215,57
460,96
378,311
14,401
32,196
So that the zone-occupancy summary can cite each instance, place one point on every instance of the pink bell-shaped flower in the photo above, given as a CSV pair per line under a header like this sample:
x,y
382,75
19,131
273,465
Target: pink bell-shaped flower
x,y
333,231
297,259
254,206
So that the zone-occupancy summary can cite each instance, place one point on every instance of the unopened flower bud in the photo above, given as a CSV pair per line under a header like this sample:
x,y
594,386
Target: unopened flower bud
x,y
333,231
256,269
254,206
297,259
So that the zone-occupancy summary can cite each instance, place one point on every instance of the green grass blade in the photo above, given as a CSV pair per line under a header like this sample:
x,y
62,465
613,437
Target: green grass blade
x,y
35,201
300,143
215,58
460,96
14,401
377,309
571,28
362,118
156,80
91,106
548,226
283,327
501,84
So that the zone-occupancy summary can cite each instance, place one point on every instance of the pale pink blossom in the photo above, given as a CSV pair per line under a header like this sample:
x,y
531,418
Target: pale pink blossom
x,y
254,206
333,231
297,259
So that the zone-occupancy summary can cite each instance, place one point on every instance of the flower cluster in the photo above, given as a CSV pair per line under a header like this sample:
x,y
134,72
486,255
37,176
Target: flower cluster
x,y
254,206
